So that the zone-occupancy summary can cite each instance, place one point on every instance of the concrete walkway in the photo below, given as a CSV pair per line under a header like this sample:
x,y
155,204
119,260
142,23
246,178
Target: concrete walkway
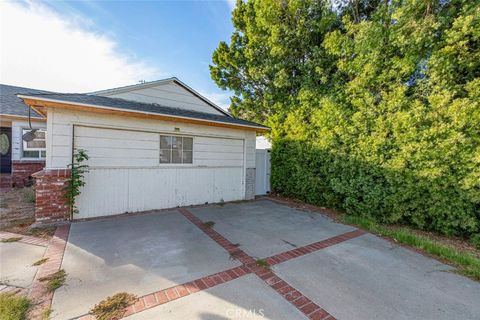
x,y
16,266
183,269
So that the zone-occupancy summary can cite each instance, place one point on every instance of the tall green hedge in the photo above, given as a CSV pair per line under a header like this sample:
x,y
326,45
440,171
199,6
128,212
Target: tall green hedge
x,y
306,172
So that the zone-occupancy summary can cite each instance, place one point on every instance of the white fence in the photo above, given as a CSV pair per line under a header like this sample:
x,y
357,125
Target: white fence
x,y
263,170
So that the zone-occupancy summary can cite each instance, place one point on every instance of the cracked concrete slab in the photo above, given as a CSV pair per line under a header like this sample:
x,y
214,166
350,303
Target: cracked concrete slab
x,y
16,266
371,278
244,298
136,254
264,228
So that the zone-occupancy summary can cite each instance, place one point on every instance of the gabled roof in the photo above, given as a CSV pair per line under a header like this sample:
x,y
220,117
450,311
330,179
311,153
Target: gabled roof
x,y
149,84
133,108
11,105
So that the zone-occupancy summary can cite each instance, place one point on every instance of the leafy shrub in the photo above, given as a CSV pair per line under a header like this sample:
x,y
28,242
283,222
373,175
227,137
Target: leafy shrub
x,y
475,240
314,175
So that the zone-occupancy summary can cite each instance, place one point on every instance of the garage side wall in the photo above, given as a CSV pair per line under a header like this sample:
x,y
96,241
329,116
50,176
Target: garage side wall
x,y
125,173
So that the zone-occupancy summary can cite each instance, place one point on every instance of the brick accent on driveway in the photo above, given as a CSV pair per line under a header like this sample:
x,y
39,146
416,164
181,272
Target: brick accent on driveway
x,y
24,239
309,308
298,252
249,266
173,293
40,295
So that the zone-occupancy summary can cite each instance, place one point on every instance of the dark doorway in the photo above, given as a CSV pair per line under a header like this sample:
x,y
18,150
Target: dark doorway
x,y
5,150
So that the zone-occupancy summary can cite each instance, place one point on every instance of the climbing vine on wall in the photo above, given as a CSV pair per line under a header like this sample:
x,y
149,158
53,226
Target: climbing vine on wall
x,y
77,179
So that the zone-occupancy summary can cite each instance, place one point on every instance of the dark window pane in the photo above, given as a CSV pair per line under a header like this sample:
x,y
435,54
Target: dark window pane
x,y
30,154
165,142
165,156
43,154
177,143
188,144
176,156
187,156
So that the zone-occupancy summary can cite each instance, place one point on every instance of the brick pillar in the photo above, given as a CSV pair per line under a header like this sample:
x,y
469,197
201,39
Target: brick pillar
x,y
250,184
50,202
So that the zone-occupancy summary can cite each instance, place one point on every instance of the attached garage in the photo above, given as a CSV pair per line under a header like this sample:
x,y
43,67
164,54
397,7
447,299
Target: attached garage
x,y
149,170
145,156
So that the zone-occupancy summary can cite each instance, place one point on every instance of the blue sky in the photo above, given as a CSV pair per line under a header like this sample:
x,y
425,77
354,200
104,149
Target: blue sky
x,y
148,40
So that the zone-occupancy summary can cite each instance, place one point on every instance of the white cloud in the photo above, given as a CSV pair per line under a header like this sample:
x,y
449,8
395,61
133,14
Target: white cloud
x,y
42,49
220,99
232,4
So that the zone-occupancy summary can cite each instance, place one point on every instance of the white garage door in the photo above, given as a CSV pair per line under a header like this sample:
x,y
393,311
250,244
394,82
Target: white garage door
x,y
126,176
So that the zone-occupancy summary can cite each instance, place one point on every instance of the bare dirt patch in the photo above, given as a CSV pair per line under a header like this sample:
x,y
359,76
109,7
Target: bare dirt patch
x,y
17,212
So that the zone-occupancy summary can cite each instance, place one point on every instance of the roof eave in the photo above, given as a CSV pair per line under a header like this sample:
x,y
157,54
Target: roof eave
x,y
38,104
19,117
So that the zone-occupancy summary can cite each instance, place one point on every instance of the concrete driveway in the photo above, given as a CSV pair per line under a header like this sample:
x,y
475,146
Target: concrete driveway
x,y
182,268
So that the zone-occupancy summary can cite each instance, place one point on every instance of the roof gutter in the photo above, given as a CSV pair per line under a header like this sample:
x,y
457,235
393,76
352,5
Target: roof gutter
x,y
34,102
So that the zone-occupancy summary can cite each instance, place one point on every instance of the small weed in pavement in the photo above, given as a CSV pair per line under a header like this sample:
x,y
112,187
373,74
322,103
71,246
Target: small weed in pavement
x,y
113,307
42,232
262,263
46,313
12,239
55,280
39,262
209,224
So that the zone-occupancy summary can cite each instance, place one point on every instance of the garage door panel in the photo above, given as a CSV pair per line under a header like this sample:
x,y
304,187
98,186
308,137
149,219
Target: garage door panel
x,y
218,148
116,134
150,189
105,193
228,184
123,153
94,142
193,186
218,141
126,175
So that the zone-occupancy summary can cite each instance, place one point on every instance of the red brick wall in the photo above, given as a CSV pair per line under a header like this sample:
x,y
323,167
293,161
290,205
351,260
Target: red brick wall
x,y
22,169
50,202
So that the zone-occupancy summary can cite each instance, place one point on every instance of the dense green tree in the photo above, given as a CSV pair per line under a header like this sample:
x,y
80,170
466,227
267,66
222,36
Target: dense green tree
x,y
275,50
374,105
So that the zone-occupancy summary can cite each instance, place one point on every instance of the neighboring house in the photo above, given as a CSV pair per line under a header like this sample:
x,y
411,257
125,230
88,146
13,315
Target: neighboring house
x,y
263,143
151,146
19,159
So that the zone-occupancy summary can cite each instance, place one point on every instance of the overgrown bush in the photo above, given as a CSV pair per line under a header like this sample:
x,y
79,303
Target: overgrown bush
x,y
440,203
13,307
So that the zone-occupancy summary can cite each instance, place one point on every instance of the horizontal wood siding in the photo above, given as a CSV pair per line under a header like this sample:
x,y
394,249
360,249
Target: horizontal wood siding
x,y
60,128
167,94
111,191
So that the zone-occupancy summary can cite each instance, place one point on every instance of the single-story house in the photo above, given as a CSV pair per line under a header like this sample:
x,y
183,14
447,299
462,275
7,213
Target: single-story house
x,y
152,145
19,159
